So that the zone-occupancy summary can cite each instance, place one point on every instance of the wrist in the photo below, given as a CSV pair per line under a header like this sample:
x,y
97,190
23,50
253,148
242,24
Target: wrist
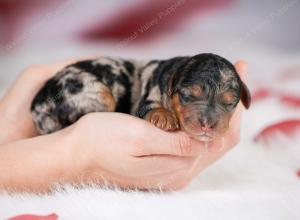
x,y
37,164
8,130
14,128
75,154
84,160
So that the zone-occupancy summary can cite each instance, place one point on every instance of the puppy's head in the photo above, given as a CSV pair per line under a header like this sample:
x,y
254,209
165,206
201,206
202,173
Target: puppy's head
x,y
205,95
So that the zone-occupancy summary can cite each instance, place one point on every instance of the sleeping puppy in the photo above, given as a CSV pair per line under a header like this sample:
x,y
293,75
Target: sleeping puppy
x,y
197,94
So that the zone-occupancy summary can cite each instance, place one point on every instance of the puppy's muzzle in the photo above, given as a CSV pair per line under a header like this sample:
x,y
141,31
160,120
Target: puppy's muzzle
x,y
204,126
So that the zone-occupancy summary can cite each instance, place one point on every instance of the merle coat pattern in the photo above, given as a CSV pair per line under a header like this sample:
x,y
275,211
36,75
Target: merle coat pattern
x,y
157,91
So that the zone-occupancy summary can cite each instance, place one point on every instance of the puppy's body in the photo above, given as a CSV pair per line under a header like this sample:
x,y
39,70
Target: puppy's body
x,y
164,92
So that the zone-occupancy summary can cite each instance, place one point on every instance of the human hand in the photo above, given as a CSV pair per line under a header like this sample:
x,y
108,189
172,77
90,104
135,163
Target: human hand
x,y
16,121
126,151
132,153
142,171
138,155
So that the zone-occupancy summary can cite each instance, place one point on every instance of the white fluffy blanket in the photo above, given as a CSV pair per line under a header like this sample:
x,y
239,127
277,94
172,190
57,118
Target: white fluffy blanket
x,y
250,182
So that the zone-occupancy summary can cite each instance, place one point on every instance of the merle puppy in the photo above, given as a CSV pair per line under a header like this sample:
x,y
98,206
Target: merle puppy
x,y
197,94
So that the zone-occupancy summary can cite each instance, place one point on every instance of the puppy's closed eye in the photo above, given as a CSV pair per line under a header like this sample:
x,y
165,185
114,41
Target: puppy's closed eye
x,y
228,99
184,95
184,91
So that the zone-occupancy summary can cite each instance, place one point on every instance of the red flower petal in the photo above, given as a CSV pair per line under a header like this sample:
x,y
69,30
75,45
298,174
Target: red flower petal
x,y
290,100
291,73
260,94
52,216
288,127
158,16
298,173
13,14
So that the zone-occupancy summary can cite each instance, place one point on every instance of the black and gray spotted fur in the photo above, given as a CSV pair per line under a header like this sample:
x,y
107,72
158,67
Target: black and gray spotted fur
x,y
136,87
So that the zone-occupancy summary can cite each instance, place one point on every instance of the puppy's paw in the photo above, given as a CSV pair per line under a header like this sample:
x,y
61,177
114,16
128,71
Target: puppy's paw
x,y
163,119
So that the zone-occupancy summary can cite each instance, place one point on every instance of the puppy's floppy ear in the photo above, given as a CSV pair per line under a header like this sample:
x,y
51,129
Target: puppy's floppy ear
x,y
172,84
245,95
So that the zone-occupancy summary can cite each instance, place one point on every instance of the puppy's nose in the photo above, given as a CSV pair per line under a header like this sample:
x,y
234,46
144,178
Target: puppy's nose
x,y
206,125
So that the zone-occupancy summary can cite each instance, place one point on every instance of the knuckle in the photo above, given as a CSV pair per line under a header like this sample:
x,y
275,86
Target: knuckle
x,y
141,128
183,182
177,185
31,71
84,122
177,181
180,185
138,130
87,122
136,137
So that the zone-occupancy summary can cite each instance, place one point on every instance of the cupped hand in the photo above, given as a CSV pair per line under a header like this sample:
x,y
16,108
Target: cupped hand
x,y
132,153
16,121
117,148
129,152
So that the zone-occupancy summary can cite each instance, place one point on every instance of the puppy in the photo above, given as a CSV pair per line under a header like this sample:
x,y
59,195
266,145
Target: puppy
x,y
197,94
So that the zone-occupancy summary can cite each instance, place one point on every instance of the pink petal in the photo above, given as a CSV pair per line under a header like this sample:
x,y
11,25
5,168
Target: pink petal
x,y
52,216
260,94
289,74
288,127
290,100
13,14
154,14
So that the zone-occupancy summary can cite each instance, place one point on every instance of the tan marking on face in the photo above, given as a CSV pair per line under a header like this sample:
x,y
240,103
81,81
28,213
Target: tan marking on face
x,y
227,97
177,109
223,124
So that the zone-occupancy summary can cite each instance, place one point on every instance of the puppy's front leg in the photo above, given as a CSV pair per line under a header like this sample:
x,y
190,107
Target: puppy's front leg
x,y
163,118
151,109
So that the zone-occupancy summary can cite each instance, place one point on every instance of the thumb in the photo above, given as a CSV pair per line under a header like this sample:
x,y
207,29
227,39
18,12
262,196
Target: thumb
x,y
159,142
241,68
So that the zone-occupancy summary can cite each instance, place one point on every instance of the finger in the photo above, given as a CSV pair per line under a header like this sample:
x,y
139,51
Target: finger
x,y
156,165
172,180
51,69
241,67
37,75
150,172
159,142
56,66
165,172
